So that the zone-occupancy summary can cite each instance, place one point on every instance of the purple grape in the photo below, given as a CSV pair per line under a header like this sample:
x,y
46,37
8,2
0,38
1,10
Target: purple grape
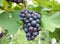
x,y
19,1
30,29
38,16
31,21
35,33
28,38
10,0
26,30
16,1
32,37
25,26
24,19
28,34
28,15
35,29
22,15
37,20
39,29
37,25
30,11
26,12
32,15
35,17
29,24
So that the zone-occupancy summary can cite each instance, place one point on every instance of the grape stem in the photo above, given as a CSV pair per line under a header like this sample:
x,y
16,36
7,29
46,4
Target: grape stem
x,y
25,5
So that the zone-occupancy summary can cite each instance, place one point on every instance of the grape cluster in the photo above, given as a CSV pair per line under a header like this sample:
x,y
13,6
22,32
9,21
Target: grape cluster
x,y
1,35
31,21
16,1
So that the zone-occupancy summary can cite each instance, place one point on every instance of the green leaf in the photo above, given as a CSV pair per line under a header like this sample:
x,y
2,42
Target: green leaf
x,y
37,9
50,4
58,42
5,39
44,3
1,1
55,34
51,22
11,24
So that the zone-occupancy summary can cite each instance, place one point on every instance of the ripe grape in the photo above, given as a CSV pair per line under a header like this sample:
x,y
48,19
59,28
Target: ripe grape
x,y
29,24
35,17
32,37
28,34
26,30
37,25
26,21
16,1
28,15
37,20
35,29
28,38
30,29
31,21
35,33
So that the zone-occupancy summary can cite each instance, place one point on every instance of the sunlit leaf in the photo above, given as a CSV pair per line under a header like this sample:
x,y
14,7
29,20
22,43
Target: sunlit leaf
x,y
51,22
11,24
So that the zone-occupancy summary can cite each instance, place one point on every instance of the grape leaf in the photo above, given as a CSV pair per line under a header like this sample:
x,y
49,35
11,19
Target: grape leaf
x,y
58,42
51,22
11,24
50,4
34,8
1,1
55,34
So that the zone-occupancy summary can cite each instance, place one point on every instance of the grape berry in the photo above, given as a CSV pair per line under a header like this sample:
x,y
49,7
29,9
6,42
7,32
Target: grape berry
x,y
16,1
31,22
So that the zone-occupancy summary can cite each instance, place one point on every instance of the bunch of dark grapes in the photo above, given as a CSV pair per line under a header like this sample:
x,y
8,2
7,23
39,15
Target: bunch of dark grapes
x,y
16,1
31,21
1,34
